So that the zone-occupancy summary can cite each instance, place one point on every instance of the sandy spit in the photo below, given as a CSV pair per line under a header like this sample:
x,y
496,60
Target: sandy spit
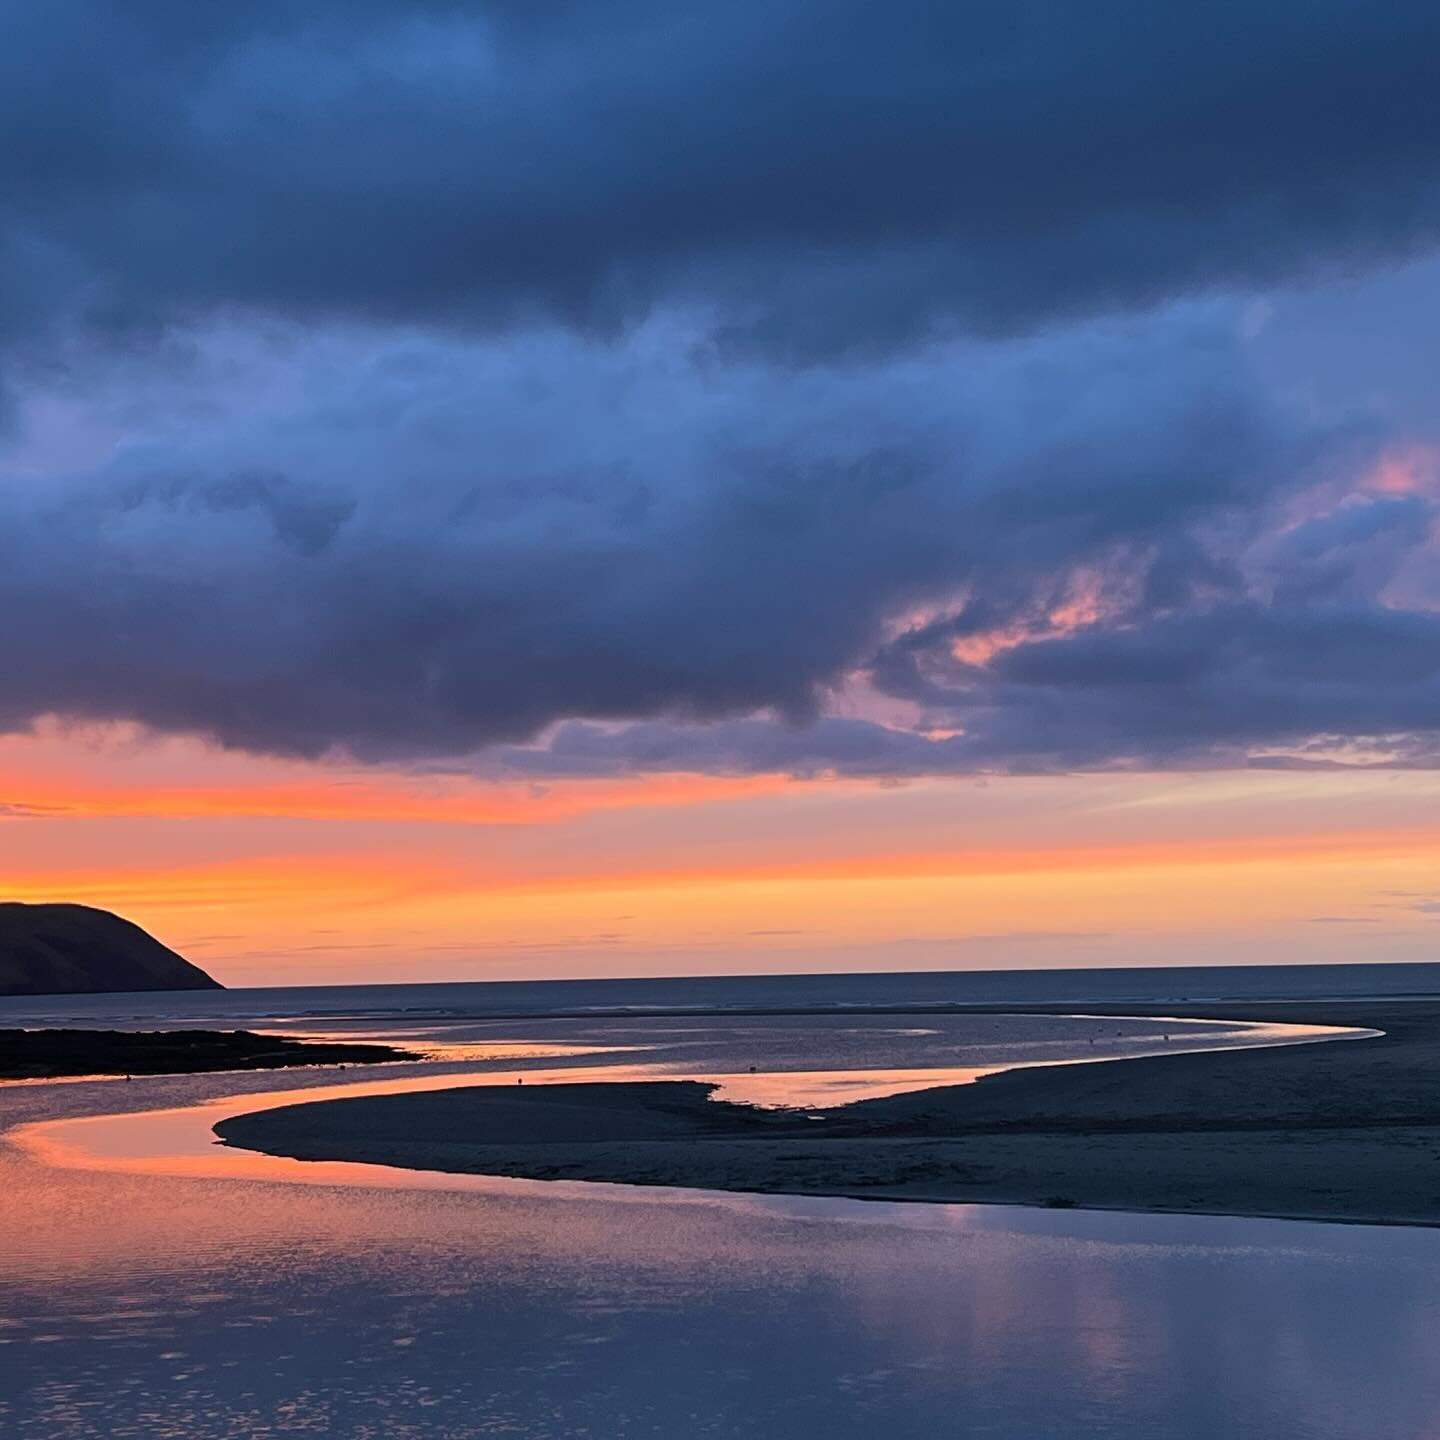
x,y
1337,1131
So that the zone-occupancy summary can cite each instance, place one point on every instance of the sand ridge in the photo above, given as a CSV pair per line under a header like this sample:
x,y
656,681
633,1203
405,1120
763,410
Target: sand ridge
x,y
1339,1130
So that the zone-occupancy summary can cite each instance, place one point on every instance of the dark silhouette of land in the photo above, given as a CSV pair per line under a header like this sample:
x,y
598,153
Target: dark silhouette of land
x,y
51,1054
1339,1130
79,950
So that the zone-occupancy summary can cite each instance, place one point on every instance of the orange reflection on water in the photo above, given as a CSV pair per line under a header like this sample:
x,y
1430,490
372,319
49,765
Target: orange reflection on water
x,y
422,1041
821,1089
181,1141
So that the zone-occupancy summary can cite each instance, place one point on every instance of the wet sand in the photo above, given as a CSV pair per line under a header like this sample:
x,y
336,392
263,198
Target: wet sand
x,y
1341,1130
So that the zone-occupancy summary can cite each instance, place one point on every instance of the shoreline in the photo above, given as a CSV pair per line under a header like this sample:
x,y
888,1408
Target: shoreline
x,y
1319,1132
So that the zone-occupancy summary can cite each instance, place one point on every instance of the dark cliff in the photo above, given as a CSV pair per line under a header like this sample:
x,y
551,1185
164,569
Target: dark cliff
x,y
76,949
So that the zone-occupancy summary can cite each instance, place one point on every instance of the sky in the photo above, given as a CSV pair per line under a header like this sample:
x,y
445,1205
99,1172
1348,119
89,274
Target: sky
x,y
497,490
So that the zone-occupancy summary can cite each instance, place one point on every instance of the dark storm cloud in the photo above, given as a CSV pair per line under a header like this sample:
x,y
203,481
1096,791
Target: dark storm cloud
x,y
1230,668
848,349
1214,690
448,546
820,176
1223,681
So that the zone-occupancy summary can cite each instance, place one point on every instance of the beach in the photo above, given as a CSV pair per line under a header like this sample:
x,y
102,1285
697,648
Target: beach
x,y
1342,1130
156,1280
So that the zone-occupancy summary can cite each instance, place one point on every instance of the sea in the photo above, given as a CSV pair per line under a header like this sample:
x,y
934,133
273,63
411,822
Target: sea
x,y
155,1284
1151,985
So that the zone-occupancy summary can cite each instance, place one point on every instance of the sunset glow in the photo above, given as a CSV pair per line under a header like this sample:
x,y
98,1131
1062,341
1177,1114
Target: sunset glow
x,y
286,872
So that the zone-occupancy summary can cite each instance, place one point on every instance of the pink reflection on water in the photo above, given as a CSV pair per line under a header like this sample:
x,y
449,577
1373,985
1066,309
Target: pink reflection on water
x,y
181,1142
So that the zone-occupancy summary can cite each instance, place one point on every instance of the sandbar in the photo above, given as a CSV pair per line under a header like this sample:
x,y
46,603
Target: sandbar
x,y
1342,1130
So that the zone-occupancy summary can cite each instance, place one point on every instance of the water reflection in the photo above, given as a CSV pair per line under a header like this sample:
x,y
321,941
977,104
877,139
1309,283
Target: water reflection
x,y
137,1303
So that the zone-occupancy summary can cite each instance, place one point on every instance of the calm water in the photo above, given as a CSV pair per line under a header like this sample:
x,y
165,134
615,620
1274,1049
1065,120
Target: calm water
x,y
1151,986
179,1294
